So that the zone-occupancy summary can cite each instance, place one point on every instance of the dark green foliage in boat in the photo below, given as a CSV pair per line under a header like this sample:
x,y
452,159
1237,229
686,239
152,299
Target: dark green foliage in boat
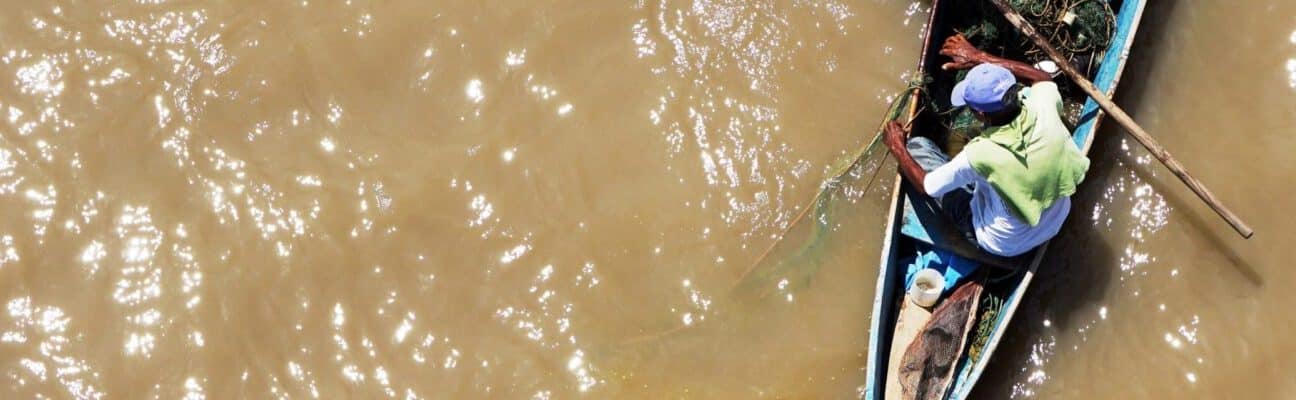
x,y
991,305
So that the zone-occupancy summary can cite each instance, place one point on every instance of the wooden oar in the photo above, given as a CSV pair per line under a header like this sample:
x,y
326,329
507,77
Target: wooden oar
x,y
1125,120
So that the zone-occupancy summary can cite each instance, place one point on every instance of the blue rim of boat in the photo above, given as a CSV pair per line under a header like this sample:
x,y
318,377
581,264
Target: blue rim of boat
x,y
889,278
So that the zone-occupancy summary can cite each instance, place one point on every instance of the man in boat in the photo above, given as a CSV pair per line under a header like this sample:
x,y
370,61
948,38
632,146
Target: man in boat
x,y
1021,170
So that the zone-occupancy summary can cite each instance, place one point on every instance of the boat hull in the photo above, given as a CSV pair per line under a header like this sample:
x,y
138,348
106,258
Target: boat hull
x,y
900,227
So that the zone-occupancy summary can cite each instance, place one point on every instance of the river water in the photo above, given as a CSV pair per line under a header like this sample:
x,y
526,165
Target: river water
x,y
536,200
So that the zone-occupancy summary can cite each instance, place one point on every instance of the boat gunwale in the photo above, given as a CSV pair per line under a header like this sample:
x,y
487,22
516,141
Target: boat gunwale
x,y
889,241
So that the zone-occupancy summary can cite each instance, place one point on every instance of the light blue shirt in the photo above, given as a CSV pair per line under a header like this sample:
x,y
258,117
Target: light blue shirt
x,y
997,229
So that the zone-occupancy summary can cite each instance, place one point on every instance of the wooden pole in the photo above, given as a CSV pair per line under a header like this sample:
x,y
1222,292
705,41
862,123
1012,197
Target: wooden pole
x,y
1125,120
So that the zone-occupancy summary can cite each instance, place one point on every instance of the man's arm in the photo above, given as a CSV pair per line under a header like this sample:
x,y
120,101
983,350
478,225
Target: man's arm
x,y
965,55
895,141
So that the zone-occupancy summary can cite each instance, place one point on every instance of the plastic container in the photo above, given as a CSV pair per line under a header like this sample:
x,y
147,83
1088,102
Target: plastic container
x,y
927,287
1050,67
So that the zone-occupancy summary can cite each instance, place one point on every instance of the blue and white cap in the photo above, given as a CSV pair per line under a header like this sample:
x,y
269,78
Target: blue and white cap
x,y
984,88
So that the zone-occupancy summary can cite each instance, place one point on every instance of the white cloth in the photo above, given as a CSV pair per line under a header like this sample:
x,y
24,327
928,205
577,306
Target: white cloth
x,y
997,229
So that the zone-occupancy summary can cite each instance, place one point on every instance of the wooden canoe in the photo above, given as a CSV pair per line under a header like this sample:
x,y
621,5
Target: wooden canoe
x,y
905,228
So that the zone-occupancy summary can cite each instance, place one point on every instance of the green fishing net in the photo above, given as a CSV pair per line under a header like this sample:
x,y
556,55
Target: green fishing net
x,y
1077,28
794,258
965,123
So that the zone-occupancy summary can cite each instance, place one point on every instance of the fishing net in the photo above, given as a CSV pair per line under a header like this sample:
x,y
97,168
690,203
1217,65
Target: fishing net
x,y
1077,28
793,259
929,362
963,126
1080,29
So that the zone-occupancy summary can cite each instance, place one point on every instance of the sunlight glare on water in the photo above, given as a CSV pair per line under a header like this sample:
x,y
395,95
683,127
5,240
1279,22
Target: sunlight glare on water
x,y
512,199
412,200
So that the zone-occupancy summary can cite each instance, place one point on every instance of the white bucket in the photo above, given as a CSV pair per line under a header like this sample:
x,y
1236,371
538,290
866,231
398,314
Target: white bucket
x,y
927,287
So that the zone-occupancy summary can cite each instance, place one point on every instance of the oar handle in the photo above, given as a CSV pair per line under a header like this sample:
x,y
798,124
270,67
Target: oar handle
x,y
1124,120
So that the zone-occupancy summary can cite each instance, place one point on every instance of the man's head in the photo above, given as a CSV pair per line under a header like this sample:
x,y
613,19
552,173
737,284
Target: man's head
x,y
989,90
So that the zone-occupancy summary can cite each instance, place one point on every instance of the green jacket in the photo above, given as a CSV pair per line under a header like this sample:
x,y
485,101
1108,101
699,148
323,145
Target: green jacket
x,y
1031,161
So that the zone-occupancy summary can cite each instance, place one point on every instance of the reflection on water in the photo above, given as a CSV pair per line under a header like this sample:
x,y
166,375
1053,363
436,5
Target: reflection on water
x,y
1291,65
401,199
490,200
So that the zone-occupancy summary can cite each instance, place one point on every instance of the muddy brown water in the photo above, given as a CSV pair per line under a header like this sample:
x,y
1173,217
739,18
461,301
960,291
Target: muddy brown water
x,y
513,199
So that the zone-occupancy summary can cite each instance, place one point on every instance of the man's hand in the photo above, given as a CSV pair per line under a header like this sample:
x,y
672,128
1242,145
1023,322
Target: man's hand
x,y
894,137
963,53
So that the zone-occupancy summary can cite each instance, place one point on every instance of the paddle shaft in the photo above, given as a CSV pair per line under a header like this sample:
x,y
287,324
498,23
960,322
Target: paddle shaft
x,y
1125,120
